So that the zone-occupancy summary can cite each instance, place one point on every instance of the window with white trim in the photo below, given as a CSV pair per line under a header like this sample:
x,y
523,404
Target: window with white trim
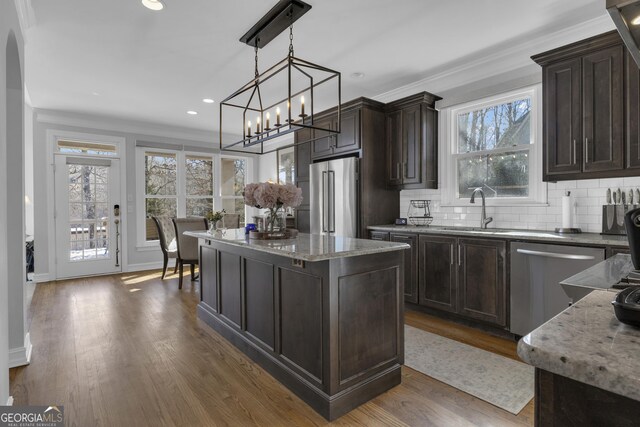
x,y
178,183
494,145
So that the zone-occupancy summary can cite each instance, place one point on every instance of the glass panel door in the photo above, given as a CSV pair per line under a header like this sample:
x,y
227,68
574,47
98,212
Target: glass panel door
x,y
86,239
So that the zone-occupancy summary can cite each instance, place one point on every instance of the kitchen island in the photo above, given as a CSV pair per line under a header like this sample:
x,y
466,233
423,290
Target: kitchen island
x,y
586,366
322,314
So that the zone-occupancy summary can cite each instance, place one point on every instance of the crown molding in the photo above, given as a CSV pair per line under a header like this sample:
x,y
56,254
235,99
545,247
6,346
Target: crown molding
x,y
501,60
114,124
26,16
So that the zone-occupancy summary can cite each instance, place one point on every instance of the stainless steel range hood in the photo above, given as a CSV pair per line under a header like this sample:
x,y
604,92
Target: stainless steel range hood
x,y
626,16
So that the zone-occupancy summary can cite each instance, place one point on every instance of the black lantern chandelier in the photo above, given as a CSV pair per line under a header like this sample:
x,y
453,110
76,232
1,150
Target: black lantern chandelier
x,y
284,98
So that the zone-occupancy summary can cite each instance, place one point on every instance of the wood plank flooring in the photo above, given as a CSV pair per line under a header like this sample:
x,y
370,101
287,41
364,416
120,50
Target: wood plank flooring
x,y
128,350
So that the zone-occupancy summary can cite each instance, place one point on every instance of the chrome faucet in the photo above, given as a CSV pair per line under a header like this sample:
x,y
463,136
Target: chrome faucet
x,y
483,216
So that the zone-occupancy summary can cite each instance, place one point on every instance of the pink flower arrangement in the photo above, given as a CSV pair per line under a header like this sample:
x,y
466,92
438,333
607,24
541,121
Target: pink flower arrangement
x,y
269,195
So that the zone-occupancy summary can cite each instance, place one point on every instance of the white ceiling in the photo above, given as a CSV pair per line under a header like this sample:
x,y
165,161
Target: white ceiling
x,y
117,58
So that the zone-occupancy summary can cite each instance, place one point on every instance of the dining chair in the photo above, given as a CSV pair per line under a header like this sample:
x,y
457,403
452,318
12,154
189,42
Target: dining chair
x,y
187,245
168,244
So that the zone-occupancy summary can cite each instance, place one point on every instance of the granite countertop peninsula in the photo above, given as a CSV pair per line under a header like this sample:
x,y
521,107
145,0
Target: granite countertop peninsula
x,y
510,234
604,275
307,247
588,344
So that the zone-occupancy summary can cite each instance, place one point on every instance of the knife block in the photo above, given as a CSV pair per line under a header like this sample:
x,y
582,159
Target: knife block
x,y
613,218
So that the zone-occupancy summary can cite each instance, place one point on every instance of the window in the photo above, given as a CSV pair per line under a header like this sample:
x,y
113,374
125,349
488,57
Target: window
x,y
494,146
178,183
233,177
86,148
199,171
161,188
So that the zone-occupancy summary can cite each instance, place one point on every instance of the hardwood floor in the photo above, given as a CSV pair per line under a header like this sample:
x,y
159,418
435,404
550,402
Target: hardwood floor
x,y
128,350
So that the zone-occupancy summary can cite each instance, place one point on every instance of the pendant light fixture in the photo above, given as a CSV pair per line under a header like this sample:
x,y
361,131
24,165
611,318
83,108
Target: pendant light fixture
x,y
282,99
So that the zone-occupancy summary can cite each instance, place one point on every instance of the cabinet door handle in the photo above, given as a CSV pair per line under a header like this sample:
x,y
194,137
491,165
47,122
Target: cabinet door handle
x,y
398,170
459,254
575,157
586,150
452,255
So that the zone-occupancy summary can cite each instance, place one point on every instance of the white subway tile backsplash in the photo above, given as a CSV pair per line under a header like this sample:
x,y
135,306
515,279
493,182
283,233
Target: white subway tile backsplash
x,y
588,196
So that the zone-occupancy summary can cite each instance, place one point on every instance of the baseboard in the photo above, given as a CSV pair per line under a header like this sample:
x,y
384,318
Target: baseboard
x,y
145,266
21,356
10,401
41,277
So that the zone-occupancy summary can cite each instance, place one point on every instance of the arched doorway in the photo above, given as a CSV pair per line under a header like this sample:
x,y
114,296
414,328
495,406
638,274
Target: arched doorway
x,y
14,192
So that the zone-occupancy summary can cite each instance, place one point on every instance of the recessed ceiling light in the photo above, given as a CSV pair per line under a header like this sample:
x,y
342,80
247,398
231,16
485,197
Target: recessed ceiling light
x,y
193,113
153,4
208,101
95,94
636,20
357,75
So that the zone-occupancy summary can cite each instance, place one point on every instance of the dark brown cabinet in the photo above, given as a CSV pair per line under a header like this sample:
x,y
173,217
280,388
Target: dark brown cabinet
x,y
362,136
632,92
411,142
584,109
481,280
302,154
437,272
410,265
329,144
464,276
379,235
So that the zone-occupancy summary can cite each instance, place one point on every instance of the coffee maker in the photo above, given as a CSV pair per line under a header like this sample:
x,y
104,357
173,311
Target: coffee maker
x,y
632,224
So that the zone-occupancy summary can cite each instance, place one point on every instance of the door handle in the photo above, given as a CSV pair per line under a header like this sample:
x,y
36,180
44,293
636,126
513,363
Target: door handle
x,y
398,170
325,184
586,150
575,157
459,255
332,205
554,255
452,257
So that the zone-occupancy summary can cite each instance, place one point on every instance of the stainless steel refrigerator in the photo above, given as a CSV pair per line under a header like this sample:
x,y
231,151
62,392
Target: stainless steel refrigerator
x,y
334,197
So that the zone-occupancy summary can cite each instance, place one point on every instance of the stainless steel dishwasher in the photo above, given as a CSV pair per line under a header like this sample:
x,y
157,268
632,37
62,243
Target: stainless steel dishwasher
x,y
536,272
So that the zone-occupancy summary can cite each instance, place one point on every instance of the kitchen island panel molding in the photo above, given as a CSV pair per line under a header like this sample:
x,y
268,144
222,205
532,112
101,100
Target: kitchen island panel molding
x,y
337,322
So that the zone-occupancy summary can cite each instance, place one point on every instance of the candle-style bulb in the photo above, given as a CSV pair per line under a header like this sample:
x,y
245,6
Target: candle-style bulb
x,y
257,124
302,106
249,129
277,116
268,117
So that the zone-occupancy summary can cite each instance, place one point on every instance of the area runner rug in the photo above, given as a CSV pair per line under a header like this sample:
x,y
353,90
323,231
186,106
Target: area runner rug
x,y
503,382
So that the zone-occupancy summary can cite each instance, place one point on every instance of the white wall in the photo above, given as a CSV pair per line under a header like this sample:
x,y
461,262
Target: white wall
x,y
10,141
136,258
28,170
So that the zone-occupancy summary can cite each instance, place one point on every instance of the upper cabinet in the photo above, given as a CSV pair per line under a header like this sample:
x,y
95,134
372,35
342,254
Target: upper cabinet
x,y
361,135
411,126
329,144
584,109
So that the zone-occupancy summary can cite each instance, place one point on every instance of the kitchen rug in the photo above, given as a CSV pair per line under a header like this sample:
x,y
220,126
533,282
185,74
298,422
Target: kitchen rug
x,y
505,383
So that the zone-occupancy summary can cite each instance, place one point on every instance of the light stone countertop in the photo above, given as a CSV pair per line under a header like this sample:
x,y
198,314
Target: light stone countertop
x,y
603,275
588,344
510,234
307,247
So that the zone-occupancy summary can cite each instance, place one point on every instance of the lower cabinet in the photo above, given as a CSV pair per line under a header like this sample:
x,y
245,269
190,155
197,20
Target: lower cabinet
x,y
437,272
464,276
379,235
410,265
482,280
